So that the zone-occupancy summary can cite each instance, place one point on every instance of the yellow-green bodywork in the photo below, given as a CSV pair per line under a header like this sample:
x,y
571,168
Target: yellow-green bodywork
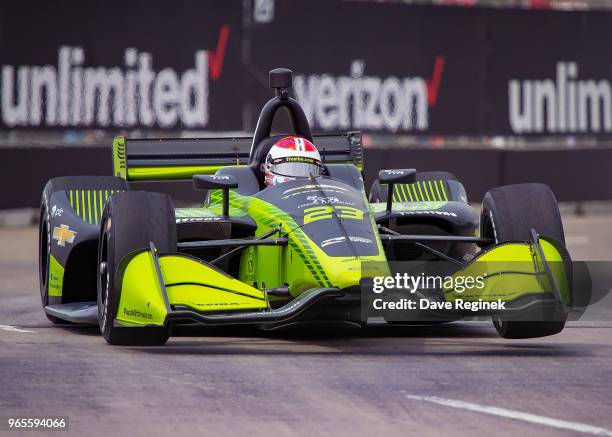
x,y
301,265
514,270
168,173
188,282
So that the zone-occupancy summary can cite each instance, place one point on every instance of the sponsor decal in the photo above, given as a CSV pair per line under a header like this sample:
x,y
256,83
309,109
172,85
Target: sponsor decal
x,y
62,234
442,213
70,94
137,313
306,187
353,239
56,212
320,200
197,219
394,172
300,159
563,104
314,190
369,102
214,304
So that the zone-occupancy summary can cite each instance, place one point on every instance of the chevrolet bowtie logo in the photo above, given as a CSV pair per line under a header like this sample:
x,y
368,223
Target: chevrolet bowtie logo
x,y
63,234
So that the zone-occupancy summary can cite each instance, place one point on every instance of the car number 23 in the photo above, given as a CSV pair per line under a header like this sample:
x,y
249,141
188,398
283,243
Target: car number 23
x,y
326,212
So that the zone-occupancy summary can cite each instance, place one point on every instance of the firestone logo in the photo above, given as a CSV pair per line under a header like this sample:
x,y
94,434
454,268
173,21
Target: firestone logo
x,y
369,102
71,95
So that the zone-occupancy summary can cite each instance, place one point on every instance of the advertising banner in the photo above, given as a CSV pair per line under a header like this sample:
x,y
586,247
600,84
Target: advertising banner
x,y
115,64
548,73
370,66
442,71
375,67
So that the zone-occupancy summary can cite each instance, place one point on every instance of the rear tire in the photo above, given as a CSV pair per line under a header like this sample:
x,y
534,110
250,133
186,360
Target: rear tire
x,y
130,222
508,214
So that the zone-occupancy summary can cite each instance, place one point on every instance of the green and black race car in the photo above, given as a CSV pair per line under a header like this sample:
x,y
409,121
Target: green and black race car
x,y
135,265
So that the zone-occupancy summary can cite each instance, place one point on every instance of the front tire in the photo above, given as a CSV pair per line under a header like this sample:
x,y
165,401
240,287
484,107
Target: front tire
x,y
508,214
130,222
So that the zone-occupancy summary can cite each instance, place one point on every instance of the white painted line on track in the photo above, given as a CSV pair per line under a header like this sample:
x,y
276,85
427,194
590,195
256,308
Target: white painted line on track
x,y
516,415
13,329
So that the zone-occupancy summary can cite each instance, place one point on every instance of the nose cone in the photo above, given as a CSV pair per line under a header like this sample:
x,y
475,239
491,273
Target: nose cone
x,y
351,273
348,277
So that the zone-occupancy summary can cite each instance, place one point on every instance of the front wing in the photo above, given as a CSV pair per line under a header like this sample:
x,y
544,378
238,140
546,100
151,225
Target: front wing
x,y
157,288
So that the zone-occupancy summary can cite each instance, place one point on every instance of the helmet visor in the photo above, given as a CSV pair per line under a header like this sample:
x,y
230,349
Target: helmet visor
x,y
302,168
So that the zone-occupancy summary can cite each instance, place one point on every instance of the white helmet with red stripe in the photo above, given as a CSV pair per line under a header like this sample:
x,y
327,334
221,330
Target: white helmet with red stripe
x,y
291,158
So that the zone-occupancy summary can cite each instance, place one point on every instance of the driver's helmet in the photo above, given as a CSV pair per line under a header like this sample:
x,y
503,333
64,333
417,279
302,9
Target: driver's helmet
x,y
291,158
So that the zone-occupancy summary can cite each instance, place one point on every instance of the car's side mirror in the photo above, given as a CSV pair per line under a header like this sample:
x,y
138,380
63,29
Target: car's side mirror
x,y
395,176
213,182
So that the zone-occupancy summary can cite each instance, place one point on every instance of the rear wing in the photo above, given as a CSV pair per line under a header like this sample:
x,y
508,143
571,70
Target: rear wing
x,y
181,158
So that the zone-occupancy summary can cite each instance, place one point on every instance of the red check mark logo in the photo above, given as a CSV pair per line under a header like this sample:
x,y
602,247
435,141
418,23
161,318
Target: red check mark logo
x,y
433,84
216,57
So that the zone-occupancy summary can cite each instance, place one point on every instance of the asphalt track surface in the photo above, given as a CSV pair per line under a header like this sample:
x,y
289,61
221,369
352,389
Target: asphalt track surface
x,y
456,379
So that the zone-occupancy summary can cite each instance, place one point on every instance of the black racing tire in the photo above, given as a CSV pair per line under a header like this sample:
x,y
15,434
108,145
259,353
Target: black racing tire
x,y
44,232
508,214
44,246
130,222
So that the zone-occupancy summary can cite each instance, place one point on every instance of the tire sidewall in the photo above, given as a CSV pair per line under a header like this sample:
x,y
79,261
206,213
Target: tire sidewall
x,y
106,290
43,255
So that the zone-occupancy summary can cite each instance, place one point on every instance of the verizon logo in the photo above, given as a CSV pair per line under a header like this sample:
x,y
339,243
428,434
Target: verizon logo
x,y
70,94
563,105
369,102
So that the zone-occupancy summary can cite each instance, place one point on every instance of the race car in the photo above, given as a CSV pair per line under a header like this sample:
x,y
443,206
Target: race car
x,y
296,252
